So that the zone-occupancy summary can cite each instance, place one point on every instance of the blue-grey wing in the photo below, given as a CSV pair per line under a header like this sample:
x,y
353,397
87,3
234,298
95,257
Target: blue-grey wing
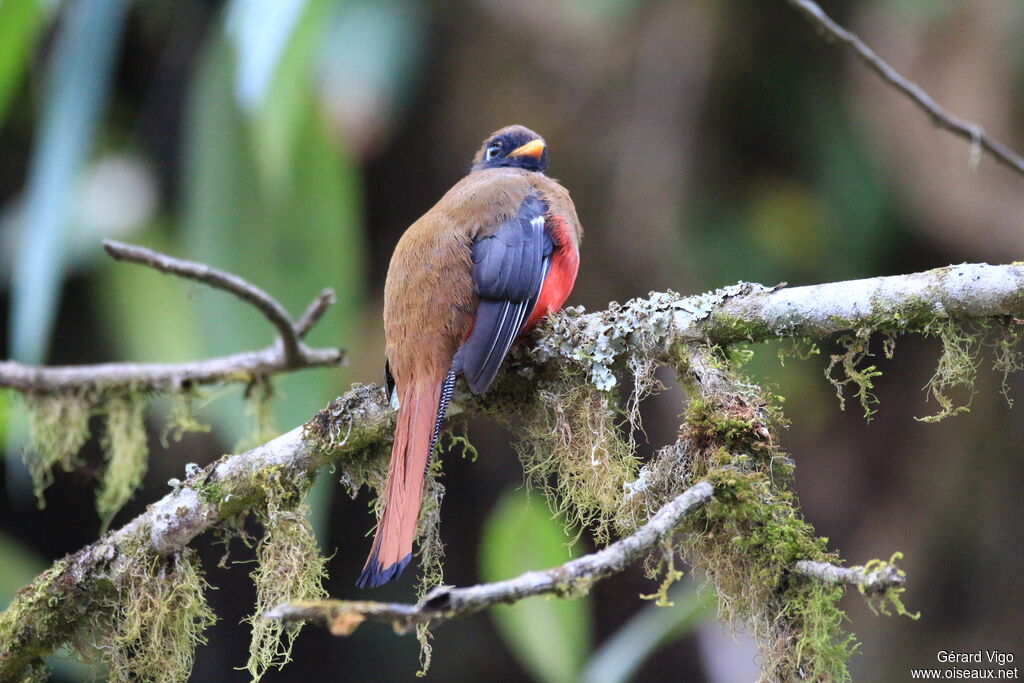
x,y
509,267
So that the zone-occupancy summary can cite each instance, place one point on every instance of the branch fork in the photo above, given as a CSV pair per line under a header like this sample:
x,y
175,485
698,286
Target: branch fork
x,y
287,354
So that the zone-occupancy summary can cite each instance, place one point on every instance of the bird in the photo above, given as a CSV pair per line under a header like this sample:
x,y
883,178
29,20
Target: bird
x,y
496,254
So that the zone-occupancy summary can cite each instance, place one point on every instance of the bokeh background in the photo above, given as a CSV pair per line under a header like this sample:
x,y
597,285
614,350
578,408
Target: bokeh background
x,y
704,141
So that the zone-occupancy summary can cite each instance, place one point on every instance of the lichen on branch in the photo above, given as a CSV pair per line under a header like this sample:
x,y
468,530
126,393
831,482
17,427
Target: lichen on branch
x,y
289,566
747,541
61,400
157,615
729,438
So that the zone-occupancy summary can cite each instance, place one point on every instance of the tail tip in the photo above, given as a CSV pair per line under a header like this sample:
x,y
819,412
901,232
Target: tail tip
x,y
376,574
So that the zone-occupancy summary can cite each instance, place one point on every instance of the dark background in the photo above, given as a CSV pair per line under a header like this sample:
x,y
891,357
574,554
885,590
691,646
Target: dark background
x,y
703,142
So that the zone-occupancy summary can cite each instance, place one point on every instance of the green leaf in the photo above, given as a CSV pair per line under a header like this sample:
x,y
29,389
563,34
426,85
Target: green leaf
x,y
550,636
6,397
77,80
653,627
304,236
275,75
21,22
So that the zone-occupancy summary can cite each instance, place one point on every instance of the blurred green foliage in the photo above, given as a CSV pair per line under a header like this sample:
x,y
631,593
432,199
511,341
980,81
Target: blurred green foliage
x,y
22,22
294,237
621,656
77,83
549,636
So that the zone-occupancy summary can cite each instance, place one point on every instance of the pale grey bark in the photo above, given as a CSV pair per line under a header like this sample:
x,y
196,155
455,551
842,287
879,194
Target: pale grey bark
x,y
446,602
641,329
869,582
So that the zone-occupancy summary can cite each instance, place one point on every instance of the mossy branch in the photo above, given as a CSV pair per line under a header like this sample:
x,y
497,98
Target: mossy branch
x,y
869,581
445,602
736,451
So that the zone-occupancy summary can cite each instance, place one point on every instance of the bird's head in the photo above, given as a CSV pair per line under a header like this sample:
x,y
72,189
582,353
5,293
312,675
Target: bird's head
x,y
513,147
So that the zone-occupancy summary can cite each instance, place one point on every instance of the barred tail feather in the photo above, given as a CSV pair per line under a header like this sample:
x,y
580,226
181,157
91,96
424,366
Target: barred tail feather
x,y
422,408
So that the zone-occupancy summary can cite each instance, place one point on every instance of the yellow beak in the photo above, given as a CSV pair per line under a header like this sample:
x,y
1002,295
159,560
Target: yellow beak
x,y
533,148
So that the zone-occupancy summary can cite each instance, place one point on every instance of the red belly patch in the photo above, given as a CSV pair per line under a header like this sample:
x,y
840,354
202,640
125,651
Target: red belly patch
x,y
565,262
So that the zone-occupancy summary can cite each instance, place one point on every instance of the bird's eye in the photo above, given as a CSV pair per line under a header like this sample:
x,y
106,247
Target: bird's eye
x,y
492,151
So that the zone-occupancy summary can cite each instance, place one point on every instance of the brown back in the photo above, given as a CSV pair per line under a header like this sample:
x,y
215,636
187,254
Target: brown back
x,y
429,298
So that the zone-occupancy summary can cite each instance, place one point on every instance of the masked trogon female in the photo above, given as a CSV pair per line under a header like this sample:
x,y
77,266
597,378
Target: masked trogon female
x,y
484,265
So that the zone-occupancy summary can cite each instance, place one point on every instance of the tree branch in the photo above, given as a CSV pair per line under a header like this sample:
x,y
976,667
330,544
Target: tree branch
x,y
211,495
219,279
316,309
446,602
236,368
942,118
289,353
362,419
342,617
868,581
648,328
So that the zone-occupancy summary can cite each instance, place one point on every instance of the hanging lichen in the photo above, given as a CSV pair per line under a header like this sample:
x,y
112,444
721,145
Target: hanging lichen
x,y
658,482
58,428
259,408
1008,356
431,552
574,451
125,451
748,538
157,617
183,418
956,369
289,567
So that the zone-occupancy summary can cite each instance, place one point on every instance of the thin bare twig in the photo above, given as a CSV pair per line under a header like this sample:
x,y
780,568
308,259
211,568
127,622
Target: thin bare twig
x,y
446,602
168,377
193,270
942,118
289,353
869,582
316,309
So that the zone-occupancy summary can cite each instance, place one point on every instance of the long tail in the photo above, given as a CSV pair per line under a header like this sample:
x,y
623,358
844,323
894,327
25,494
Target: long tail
x,y
420,412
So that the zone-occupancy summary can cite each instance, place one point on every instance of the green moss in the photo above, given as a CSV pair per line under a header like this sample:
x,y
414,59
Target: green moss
x,y
289,567
210,491
891,597
748,538
956,369
259,394
801,348
452,440
36,672
38,618
731,329
909,314
125,450
574,451
855,372
666,568
183,417
157,616
428,531
58,428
